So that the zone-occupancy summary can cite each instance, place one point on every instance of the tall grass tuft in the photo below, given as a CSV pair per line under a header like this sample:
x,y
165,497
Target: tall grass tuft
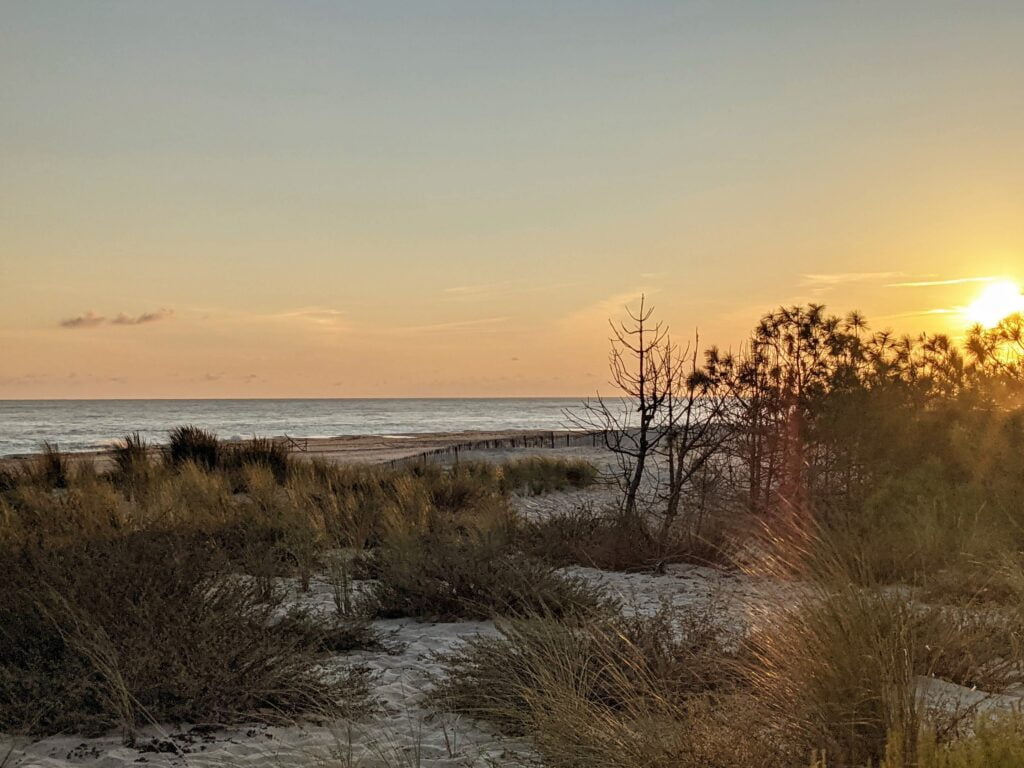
x,y
189,443
614,692
260,452
51,468
131,455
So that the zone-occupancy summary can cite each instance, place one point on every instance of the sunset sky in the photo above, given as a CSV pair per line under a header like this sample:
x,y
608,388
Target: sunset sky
x,y
257,199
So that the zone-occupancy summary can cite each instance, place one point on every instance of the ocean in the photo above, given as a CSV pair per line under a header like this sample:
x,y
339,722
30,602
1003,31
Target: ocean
x,y
80,425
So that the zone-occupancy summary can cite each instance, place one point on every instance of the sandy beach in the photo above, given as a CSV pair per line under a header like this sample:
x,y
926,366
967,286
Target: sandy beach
x,y
393,449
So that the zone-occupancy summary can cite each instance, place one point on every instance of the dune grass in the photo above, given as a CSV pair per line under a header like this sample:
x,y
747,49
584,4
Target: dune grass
x,y
122,630
149,592
613,691
121,579
607,539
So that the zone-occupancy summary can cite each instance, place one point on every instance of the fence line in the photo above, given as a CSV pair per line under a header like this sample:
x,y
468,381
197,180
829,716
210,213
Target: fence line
x,y
533,440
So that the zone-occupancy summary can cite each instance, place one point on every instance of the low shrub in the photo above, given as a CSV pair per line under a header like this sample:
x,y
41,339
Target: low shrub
x,y
613,692
435,563
611,541
541,474
149,626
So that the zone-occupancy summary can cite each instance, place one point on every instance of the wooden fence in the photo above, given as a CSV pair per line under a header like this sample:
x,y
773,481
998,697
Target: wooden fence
x,y
532,440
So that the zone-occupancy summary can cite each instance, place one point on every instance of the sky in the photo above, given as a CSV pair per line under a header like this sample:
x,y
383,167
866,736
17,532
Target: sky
x,y
330,199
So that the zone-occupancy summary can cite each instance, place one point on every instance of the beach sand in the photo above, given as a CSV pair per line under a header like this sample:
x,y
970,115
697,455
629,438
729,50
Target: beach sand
x,y
384,449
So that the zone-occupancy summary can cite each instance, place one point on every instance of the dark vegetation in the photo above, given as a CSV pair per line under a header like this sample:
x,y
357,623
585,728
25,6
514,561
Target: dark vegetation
x,y
876,482
151,591
881,477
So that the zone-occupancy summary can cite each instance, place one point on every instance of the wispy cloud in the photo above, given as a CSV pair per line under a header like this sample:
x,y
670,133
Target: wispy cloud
x,y
820,282
91,320
145,317
501,290
921,313
480,289
484,323
318,315
598,313
930,283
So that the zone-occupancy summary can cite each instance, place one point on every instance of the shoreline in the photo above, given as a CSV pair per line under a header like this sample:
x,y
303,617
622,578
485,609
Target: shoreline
x,y
384,448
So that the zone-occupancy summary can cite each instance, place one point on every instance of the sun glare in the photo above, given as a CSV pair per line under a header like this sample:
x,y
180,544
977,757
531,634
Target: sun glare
x,y
997,301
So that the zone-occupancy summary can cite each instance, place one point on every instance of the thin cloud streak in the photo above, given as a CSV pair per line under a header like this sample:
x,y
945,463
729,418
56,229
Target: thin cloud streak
x,y
501,290
824,280
457,325
931,283
922,313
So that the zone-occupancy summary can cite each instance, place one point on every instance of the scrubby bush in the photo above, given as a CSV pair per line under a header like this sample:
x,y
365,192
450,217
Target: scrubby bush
x,y
541,474
446,568
120,630
614,692
609,540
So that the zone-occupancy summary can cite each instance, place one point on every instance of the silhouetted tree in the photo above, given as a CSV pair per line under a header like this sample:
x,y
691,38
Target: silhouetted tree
x,y
633,424
697,428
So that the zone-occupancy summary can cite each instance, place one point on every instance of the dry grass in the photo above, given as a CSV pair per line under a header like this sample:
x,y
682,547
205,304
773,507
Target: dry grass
x,y
539,474
832,670
148,593
143,593
611,541
996,743
122,630
438,562
612,692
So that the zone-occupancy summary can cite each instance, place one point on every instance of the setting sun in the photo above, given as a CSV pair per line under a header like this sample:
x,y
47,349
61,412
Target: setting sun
x,y
997,301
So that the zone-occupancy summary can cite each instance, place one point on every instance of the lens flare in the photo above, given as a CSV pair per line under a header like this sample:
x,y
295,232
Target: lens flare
x,y
997,301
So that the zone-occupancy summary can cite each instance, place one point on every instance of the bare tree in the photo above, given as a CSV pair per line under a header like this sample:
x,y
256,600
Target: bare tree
x,y
634,422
